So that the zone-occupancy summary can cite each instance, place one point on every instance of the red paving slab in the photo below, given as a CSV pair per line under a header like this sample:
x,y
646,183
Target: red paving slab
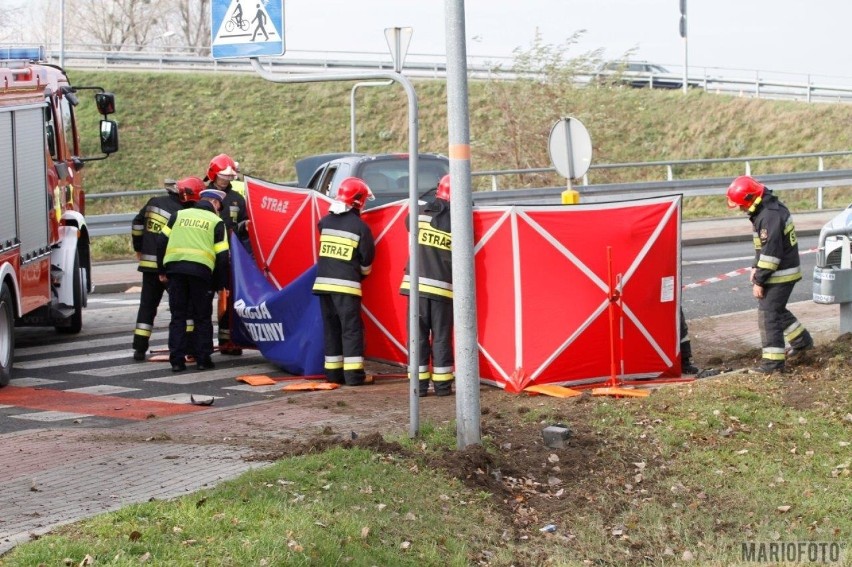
x,y
90,404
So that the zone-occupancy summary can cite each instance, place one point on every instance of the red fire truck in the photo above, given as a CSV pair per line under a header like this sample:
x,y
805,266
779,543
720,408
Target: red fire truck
x,y
45,264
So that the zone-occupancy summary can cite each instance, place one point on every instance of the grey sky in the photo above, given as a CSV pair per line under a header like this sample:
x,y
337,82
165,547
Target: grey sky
x,y
796,36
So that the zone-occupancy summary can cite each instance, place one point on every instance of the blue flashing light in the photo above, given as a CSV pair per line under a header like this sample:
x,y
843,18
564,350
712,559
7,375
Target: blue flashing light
x,y
34,53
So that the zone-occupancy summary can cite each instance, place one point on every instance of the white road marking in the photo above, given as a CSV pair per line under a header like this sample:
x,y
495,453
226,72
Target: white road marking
x,y
50,416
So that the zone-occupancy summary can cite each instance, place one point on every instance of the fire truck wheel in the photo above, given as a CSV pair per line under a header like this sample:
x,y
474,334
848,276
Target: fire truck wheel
x,y
7,335
76,320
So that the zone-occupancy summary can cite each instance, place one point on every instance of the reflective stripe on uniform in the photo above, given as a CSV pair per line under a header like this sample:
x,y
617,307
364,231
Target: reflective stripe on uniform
x,y
768,262
429,285
774,353
353,363
785,276
793,332
442,374
423,373
143,329
337,285
333,362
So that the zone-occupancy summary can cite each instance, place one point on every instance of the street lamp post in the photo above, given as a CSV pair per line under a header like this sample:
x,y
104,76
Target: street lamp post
x,y
685,50
62,33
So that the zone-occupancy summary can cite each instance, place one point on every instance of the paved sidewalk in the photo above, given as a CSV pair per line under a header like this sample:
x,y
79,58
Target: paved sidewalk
x,y
56,476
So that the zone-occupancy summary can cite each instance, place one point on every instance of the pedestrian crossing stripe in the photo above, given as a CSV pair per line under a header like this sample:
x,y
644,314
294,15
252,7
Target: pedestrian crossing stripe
x,y
247,28
90,404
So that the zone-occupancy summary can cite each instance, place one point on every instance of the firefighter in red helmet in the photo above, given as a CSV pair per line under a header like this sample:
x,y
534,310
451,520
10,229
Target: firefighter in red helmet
x,y
146,225
221,171
346,251
774,272
435,286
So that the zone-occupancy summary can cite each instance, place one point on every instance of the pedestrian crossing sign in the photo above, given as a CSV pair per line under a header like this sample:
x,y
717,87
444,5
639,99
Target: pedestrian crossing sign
x,y
247,28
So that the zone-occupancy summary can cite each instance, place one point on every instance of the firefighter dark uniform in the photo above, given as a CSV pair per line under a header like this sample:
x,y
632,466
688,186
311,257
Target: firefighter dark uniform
x,y
192,251
233,213
776,269
686,366
145,229
346,252
435,284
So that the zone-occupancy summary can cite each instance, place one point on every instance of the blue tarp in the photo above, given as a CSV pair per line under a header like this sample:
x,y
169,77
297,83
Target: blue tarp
x,y
284,325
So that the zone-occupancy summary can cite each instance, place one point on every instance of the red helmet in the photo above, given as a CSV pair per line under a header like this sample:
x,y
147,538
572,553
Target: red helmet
x,y
353,192
189,189
443,191
744,191
221,165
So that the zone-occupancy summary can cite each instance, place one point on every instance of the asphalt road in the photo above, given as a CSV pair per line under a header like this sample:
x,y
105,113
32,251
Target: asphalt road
x,y
91,380
100,384
703,264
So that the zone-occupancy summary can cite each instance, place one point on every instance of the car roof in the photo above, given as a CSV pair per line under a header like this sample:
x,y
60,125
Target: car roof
x,y
307,167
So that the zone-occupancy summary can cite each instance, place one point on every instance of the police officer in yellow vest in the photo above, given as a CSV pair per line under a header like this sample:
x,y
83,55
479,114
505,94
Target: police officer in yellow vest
x,y
192,256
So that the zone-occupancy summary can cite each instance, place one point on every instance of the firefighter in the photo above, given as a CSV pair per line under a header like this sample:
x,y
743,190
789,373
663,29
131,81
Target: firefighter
x,y
192,257
686,366
774,272
221,171
146,226
435,284
346,252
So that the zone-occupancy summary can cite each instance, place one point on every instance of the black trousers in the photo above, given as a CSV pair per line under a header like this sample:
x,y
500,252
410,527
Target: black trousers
x,y
776,323
149,302
343,334
685,343
436,339
190,296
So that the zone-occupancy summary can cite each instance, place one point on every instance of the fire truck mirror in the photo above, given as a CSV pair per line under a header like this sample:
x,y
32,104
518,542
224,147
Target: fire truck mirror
x,y
105,102
109,136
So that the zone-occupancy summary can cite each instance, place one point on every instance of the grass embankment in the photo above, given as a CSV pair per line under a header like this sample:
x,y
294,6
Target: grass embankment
x,y
172,124
690,473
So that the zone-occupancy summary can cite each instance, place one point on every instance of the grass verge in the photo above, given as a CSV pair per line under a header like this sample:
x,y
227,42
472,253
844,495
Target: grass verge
x,y
691,473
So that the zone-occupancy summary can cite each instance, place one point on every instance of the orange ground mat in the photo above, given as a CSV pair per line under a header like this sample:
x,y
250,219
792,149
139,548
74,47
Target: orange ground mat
x,y
256,380
104,406
303,386
552,390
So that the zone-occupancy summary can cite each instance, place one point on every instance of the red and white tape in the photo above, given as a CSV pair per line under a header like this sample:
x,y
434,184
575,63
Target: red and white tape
x,y
723,277
730,275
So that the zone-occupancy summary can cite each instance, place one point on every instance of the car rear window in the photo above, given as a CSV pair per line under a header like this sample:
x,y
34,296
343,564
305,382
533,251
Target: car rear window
x,y
392,175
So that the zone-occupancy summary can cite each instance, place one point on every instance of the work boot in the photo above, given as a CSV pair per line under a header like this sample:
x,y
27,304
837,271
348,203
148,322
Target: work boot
x,y
768,367
205,364
230,350
178,366
138,355
805,343
443,388
423,388
688,369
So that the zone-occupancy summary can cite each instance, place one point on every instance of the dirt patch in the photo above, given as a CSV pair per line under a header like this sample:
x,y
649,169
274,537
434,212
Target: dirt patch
x,y
533,485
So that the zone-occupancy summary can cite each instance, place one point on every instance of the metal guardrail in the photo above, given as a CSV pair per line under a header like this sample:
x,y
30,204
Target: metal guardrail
x,y
760,84
113,224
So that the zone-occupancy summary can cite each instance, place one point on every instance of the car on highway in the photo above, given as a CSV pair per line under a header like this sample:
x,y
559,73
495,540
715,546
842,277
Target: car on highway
x,y
637,74
385,174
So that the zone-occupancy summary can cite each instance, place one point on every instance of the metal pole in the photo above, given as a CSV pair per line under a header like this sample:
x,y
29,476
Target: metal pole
x,y
352,107
685,64
414,296
62,33
461,214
